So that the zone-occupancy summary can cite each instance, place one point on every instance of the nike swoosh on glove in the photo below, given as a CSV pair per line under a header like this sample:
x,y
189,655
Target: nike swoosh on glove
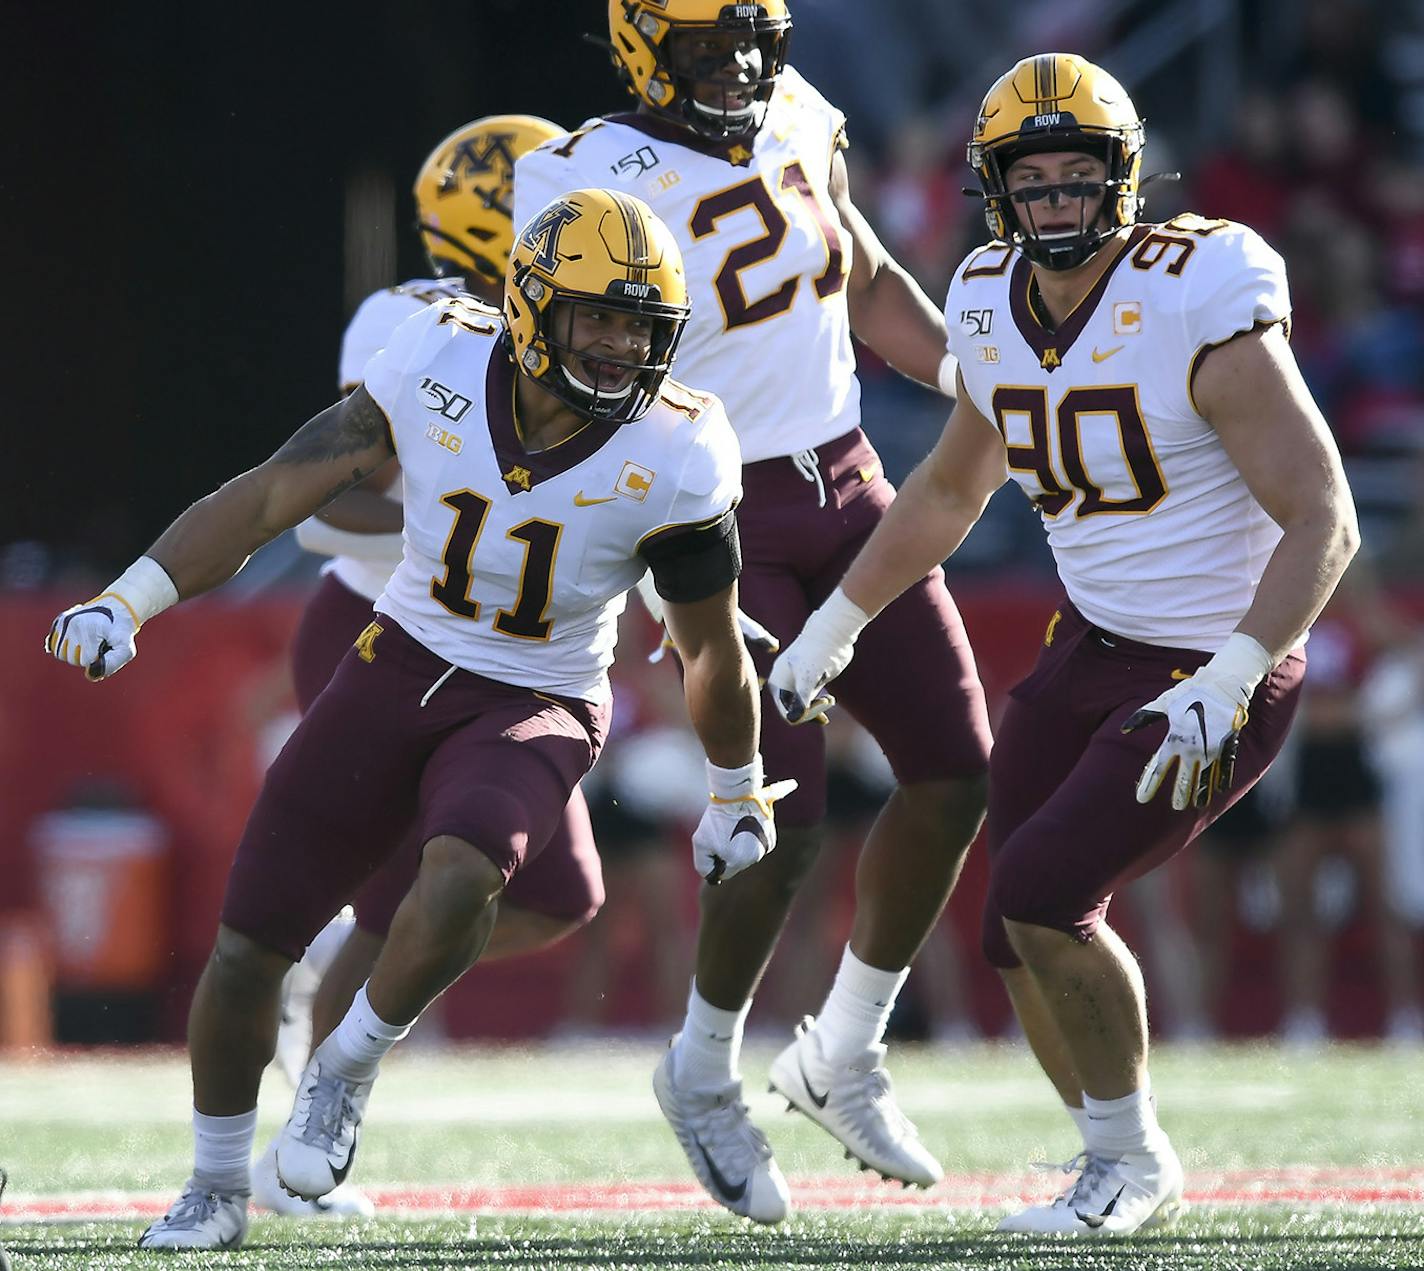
x,y
738,827
1205,714
97,635
820,653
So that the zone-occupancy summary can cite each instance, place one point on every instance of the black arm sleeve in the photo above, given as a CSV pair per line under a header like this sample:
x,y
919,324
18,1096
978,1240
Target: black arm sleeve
x,y
695,562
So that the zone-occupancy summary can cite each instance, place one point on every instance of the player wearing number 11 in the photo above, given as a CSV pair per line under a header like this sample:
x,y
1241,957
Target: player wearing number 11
x,y
1136,382
478,697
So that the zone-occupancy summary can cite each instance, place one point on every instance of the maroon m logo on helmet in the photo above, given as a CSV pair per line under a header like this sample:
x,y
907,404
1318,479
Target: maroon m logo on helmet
x,y
541,235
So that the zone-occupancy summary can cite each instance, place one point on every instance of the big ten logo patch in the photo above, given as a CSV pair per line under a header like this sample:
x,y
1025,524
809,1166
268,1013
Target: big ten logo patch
x,y
444,400
444,438
634,481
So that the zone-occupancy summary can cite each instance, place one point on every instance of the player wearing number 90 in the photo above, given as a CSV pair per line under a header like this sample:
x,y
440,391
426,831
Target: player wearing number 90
x,y
742,158
479,695
1135,380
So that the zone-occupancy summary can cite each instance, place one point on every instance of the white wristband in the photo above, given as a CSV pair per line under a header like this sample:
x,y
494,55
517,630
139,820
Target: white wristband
x,y
1242,660
839,620
948,375
145,588
735,783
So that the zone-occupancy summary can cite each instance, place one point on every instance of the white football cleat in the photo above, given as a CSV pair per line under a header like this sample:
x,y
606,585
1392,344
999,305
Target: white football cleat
x,y
855,1104
200,1219
729,1155
1110,1197
343,1201
317,1145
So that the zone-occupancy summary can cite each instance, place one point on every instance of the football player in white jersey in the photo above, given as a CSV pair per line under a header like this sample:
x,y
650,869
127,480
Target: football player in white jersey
x,y
478,697
1135,380
742,158
464,209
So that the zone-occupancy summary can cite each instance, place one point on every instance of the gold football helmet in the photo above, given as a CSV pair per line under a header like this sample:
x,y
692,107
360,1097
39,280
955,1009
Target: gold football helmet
x,y
605,250
1058,101
655,45
464,195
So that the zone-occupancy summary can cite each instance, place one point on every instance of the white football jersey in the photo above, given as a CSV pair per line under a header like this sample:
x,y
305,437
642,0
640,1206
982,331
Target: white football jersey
x,y
1154,532
516,564
366,334
767,258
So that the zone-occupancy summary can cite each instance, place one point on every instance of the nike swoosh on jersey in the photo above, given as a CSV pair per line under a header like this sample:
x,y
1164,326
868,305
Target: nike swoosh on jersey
x,y
581,502
1103,357
1179,674
732,1191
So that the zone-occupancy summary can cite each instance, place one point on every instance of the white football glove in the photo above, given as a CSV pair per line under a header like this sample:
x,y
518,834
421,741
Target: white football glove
x,y
99,634
820,653
1205,714
738,828
757,637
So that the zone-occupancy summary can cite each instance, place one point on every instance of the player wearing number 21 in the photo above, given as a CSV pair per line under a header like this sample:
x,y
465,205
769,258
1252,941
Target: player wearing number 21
x,y
1135,380
478,697
742,158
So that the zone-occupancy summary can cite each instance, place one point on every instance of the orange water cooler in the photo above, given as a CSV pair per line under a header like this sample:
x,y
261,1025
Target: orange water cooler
x,y
103,877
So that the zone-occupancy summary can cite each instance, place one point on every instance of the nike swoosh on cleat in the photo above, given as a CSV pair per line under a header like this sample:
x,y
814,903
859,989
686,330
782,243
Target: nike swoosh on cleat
x,y
818,1099
732,1191
1096,1220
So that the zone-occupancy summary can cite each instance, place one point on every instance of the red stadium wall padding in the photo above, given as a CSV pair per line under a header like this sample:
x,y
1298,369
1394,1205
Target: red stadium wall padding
x,y
187,729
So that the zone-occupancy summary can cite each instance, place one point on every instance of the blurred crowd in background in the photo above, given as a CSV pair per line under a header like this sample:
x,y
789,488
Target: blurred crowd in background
x,y
1303,118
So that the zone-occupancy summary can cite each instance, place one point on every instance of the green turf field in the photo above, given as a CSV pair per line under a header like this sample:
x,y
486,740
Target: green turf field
x,y
558,1158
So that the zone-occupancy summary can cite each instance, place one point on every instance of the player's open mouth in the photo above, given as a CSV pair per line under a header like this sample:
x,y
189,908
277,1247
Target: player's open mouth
x,y
733,102
606,377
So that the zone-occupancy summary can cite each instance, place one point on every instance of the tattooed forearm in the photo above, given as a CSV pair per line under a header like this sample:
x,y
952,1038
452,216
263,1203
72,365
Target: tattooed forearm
x,y
355,424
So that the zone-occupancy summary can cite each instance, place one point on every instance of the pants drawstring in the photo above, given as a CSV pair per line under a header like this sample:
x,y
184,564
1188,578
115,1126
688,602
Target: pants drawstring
x,y
807,462
430,692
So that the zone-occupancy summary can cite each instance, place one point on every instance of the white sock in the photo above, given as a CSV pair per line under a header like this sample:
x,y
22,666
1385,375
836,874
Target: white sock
x,y
857,1008
705,1056
1119,1126
222,1150
1080,1119
359,1043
